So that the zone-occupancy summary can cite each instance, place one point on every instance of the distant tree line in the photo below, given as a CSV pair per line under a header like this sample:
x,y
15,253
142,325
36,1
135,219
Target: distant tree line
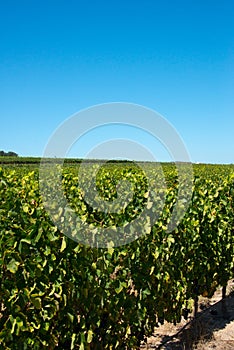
x,y
8,154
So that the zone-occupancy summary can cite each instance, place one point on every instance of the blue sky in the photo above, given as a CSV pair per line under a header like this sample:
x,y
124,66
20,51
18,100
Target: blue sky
x,y
176,57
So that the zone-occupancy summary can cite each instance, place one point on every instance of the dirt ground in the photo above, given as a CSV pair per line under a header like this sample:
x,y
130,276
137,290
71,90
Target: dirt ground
x,y
213,327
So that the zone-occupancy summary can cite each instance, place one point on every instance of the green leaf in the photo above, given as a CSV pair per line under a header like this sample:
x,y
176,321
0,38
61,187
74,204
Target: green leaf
x,y
25,240
119,289
146,292
70,316
63,245
36,302
128,330
13,321
111,251
73,339
38,236
13,265
149,205
25,208
82,342
122,285
90,336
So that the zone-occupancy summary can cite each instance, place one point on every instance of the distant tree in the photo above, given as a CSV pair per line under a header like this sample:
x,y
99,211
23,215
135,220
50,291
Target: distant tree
x,y
8,154
12,154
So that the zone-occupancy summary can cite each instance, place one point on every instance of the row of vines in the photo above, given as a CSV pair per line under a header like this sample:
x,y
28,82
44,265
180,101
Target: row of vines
x,y
56,293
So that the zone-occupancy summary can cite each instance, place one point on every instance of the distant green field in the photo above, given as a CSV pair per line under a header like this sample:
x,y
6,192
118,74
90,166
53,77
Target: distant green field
x,y
207,170
28,160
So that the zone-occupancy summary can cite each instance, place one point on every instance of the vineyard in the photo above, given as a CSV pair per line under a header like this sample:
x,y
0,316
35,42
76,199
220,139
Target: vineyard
x,y
57,293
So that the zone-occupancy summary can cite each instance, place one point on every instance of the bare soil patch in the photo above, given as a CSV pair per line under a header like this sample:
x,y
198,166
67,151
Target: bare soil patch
x,y
213,328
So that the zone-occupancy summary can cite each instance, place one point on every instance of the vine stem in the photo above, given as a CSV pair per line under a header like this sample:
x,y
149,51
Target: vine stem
x,y
195,306
224,291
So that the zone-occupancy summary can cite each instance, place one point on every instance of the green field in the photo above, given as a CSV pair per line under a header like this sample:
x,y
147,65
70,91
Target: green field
x,y
57,293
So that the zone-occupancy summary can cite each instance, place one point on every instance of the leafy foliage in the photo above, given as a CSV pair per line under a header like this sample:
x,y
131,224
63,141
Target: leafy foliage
x,y
58,294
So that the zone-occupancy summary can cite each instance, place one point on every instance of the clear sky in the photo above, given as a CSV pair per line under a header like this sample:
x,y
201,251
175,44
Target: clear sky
x,y
173,56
